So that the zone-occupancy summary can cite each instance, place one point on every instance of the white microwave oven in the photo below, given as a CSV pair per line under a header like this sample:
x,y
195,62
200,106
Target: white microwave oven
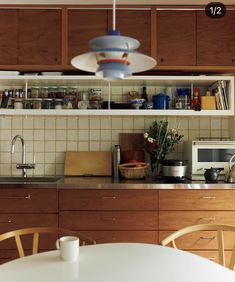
x,y
206,154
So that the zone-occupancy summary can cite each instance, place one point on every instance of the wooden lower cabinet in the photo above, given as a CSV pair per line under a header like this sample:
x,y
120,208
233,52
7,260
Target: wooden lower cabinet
x,y
111,215
24,208
181,208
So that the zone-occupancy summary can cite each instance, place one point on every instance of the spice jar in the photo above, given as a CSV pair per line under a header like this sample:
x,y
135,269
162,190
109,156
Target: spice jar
x,y
37,104
47,104
18,104
58,104
28,103
35,92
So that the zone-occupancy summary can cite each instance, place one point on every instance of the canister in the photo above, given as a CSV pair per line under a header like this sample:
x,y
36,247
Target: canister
x,y
161,101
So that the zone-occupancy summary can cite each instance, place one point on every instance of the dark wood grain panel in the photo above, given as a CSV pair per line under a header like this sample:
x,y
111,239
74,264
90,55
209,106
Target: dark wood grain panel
x,y
118,220
176,38
197,200
8,36
16,221
113,199
136,24
202,240
216,40
28,200
115,236
174,220
39,36
84,25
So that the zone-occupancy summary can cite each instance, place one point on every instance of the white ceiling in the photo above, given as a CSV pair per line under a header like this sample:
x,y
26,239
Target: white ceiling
x,y
100,2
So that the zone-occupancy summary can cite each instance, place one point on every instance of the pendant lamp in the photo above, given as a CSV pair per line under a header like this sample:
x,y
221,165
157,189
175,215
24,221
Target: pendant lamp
x,y
113,57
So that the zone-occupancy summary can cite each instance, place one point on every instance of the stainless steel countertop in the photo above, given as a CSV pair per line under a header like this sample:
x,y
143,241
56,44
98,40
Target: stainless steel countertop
x,y
110,183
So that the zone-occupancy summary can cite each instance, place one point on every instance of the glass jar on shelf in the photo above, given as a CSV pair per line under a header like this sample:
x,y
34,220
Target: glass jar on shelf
x,y
35,92
182,101
37,104
47,104
44,92
58,104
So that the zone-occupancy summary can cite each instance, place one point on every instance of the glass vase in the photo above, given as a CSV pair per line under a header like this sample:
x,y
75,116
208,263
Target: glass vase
x,y
155,166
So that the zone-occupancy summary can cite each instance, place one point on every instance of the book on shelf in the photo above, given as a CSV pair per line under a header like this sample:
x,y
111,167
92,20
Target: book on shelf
x,y
219,91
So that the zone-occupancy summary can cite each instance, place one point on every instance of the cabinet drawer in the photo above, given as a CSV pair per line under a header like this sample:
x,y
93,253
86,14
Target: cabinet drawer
x,y
201,240
150,237
108,199
121,220
197,200
10,222
214,255
28,200
174,220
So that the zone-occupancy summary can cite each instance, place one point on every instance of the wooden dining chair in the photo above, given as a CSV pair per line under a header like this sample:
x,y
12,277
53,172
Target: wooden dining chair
x,y
36,231
220,228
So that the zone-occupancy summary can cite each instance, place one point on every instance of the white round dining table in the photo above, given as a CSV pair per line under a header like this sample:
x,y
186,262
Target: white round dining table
x,y
116,262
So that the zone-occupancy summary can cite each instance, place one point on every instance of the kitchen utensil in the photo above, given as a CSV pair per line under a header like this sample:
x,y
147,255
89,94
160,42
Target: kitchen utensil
x,y
174,169
212,174
230,177
161,101
116,160
84,163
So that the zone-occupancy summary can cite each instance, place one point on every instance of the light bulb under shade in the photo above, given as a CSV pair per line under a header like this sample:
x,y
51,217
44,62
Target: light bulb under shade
x,y
138,62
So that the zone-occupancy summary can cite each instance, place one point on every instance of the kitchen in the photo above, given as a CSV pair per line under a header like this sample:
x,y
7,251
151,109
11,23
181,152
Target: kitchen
x,y
142,215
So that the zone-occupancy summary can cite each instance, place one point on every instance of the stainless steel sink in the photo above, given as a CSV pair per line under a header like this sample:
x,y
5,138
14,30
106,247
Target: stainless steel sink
x,y
30,179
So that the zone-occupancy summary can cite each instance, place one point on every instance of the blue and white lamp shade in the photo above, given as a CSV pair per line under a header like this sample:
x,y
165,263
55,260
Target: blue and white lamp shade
x,y
113,58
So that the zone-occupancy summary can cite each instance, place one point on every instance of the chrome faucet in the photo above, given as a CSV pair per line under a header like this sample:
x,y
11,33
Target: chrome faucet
x,y
23,165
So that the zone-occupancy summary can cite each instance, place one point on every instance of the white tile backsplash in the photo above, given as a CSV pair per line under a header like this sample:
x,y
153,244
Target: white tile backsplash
x,y
49,137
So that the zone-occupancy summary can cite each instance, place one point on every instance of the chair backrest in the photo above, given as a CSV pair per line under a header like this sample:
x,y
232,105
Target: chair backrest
x,y
36,231
220,228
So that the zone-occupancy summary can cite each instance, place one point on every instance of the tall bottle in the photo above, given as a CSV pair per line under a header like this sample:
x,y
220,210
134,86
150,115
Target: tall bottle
x,y
116,160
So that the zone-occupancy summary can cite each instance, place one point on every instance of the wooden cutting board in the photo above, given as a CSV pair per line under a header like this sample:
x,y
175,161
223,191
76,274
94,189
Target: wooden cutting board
x,y
131,141
132,146
84,163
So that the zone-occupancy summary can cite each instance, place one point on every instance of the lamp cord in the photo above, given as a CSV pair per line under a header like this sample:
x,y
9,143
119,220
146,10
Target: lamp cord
x,y
114,14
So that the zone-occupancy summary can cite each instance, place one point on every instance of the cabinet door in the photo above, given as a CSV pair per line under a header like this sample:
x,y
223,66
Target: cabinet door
x,y
136,24
84,25
215,40
176,38
8,36
39,37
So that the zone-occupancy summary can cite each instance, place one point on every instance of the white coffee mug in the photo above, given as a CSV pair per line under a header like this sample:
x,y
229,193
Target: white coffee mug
x,y
69,248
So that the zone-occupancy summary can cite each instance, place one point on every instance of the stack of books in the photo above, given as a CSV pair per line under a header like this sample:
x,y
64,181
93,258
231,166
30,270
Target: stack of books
x,y
219,91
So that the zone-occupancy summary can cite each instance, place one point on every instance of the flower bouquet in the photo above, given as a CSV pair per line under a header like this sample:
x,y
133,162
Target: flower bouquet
x,y
159,141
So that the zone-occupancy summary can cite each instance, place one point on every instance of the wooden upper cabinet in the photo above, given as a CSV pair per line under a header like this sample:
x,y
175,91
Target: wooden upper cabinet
x,y
8,36
84,25
216,40
176,38
135,24
39,36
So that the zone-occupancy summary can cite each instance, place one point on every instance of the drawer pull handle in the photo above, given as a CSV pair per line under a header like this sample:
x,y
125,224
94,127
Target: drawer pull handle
x,y
8,221
208,218
27,197
209,197
207,238
110,219
212,258
108,197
